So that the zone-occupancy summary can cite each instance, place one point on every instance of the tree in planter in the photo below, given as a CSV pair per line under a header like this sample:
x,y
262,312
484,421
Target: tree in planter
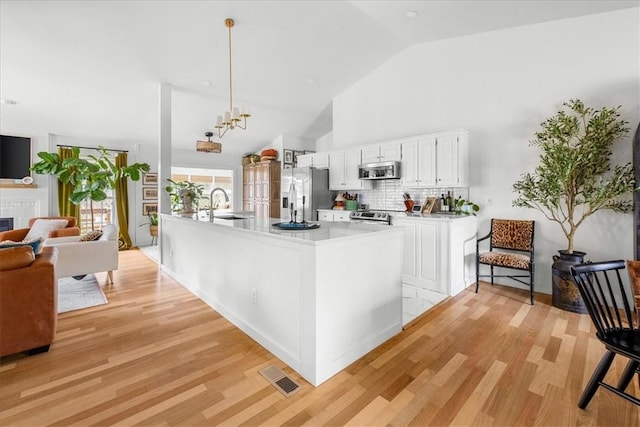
x,y
575,178
90,176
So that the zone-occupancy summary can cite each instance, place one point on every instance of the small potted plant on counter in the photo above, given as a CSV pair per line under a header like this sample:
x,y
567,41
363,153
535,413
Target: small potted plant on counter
x,y
465,207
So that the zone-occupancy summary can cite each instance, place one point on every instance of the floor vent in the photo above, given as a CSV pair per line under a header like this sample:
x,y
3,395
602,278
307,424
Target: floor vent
x,y
280,380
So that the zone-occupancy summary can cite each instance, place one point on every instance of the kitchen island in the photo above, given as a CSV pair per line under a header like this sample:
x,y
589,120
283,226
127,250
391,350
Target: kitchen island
x,y
317,299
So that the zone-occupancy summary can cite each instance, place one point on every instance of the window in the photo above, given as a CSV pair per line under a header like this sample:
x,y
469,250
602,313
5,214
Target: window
x,y
210,178
95,215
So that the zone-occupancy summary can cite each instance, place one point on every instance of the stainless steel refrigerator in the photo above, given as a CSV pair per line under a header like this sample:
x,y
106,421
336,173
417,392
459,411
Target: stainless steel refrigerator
x,y
308,184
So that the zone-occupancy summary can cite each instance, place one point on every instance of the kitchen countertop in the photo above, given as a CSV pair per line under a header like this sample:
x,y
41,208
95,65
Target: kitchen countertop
x,y
328,232
440,216
432,216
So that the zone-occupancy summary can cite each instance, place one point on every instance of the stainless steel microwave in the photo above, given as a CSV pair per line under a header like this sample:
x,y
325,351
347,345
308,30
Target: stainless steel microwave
x,y
380,170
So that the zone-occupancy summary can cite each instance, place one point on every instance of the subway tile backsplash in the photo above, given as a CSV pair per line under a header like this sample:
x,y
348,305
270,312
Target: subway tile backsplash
x,y
387,194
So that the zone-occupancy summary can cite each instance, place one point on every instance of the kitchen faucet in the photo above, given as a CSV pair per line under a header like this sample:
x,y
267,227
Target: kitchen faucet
x,y
226,199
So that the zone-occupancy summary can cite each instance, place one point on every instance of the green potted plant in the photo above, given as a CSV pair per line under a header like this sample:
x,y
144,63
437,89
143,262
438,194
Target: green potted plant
x,y
465,207
574,180
153,224
91,176
185,195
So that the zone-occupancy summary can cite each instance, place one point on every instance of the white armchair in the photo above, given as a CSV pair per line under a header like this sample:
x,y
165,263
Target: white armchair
x,y
76,258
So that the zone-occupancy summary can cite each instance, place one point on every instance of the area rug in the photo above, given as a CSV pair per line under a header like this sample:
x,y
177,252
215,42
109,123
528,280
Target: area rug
x,y
76,294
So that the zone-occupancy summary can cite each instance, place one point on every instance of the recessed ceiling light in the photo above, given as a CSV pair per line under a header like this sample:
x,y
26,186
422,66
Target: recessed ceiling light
x,y
6,101
411,14
311,80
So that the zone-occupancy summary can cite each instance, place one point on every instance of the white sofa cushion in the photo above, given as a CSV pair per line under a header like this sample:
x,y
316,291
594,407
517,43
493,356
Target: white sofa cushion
x,y
42,227
76,258
109,232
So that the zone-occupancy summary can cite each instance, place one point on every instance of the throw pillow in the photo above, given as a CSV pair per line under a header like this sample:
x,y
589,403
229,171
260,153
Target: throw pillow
x,y
92,235
36,244
42,227
16,257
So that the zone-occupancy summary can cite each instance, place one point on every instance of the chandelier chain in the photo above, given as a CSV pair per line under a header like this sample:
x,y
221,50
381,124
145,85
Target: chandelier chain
x,y
232,118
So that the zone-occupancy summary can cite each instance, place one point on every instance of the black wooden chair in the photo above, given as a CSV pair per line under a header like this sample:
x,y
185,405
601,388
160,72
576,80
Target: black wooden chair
x,y
515,239
613,318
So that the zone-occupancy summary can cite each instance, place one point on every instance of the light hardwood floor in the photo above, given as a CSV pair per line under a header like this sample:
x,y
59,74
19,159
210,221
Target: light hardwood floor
x,y
157,355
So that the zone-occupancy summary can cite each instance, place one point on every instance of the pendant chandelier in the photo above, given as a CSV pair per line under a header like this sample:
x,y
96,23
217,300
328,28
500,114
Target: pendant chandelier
x,y
234,117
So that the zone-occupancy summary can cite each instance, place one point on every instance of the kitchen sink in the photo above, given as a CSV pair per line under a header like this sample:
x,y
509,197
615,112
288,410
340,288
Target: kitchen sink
x,y
234,215
229,217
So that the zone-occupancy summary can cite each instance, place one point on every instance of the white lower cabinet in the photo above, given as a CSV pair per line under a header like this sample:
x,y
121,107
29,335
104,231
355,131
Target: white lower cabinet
x,y
438,253
334,215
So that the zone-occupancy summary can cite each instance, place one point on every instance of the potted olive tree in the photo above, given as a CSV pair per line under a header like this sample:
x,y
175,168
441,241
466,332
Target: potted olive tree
x,y
574,180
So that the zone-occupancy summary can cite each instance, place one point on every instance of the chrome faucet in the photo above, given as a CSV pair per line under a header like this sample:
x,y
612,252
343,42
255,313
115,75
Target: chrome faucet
x,y
226,199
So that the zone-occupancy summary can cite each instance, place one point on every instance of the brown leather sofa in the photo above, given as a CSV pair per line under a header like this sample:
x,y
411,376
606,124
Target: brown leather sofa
x,y
19,234
28,300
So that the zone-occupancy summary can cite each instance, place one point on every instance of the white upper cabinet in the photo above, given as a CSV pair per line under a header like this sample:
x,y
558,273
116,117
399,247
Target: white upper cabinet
x,y
419,163
428,161
316,160
304,160
343,170
321,160
438,160
382,153
452,160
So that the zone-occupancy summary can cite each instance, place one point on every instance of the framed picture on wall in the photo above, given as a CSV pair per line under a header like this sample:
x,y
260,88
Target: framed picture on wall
x,y
149,208
297,153
150,179
149,193
287,166
288,156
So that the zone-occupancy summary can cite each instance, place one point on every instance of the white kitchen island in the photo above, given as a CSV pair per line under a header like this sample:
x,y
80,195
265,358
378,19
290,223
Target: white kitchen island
x,y
317,299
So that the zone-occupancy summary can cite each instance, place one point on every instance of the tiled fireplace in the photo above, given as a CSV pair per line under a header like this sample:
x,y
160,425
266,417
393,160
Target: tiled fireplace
x,y
19,212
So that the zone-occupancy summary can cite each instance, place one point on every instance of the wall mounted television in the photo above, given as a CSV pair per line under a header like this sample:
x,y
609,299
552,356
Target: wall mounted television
x,y
15,157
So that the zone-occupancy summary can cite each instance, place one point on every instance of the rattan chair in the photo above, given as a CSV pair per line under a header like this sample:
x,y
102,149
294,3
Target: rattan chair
x,y
510,247
615,326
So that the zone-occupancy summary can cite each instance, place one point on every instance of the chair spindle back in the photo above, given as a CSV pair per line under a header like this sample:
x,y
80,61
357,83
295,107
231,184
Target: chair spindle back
x,y
596,282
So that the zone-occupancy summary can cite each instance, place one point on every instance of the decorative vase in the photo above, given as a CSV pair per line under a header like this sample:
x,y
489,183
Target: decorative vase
x,y
565,293
187,202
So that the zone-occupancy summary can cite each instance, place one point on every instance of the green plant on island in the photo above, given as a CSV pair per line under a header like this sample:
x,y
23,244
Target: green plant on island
x,y
184,195
575,178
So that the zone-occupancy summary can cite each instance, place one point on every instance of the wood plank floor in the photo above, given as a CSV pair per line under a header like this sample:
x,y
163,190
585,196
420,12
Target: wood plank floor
x,y
157,355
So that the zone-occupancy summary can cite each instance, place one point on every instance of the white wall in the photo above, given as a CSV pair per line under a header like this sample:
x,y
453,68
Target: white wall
x,y
500,86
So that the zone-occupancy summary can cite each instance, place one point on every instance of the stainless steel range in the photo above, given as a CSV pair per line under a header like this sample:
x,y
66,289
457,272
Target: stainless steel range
x,y
383,218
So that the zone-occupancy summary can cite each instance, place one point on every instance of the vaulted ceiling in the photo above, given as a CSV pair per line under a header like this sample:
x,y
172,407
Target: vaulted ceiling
x,y
93,68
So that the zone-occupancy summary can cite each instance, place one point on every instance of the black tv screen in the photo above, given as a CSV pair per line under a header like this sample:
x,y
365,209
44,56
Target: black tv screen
x,y
15,157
